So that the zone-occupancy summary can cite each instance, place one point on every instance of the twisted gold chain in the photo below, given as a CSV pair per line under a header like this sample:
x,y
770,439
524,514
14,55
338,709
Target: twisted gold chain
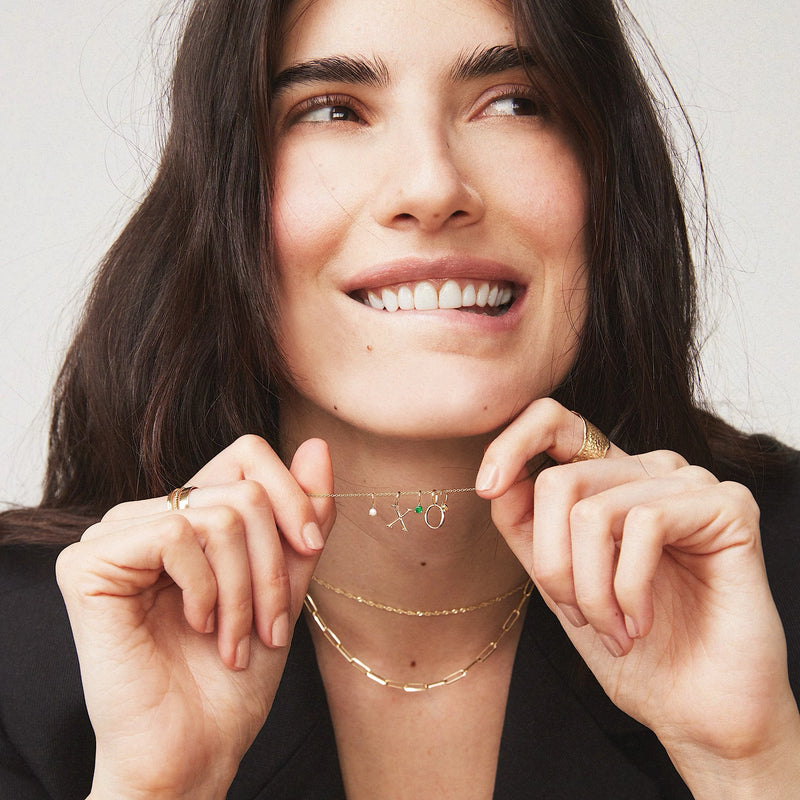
x,y
509,623
410,612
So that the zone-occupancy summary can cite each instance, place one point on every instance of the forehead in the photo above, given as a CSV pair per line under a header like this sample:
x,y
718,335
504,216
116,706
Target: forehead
x,y
393,29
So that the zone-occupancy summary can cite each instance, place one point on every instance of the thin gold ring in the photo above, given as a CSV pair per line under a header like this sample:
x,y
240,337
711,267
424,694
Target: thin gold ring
x,y
178,499
595,443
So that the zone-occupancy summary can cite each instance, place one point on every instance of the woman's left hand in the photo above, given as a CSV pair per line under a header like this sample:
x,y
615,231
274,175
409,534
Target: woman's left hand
x,y
655,570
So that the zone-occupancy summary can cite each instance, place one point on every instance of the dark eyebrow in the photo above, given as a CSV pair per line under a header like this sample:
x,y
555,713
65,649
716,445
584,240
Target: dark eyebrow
x,y
484,62
344,69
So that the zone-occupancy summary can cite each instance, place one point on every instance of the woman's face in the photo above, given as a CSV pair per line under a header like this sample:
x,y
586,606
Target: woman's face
x,y
429,212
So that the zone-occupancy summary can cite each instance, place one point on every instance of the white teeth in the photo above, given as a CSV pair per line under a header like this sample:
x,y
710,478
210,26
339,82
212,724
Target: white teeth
x,y
468,295
423,296
450,295
389,300
405,298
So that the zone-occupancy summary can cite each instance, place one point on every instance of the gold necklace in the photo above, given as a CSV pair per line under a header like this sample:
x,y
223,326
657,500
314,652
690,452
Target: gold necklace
x,y
410,612
511,619
433,513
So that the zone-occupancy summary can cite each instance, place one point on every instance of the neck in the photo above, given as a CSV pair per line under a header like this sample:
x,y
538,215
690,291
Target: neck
x,y
463,561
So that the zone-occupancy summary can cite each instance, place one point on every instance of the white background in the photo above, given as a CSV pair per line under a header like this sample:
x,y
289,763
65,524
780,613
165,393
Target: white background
x,y
78,138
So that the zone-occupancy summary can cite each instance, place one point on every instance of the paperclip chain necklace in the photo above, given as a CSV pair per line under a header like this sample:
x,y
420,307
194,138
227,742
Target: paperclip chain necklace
x,y
511,620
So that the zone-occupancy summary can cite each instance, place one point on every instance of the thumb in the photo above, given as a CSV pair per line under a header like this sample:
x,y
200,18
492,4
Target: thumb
x,y
312,469
512,514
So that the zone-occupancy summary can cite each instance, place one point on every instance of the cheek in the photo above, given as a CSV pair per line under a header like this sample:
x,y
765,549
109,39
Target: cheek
x,y
553,207
312,205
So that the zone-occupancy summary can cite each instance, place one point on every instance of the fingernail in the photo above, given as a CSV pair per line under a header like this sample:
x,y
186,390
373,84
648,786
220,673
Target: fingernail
x,y
573,614
210,622
632,627
612,645
312,536
242,653
280,631
487,477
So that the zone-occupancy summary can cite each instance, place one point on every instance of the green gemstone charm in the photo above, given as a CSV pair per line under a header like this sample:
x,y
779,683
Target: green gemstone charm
x,y
418,509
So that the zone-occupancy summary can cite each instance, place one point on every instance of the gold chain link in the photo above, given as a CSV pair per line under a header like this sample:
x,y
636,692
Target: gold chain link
x,y
392,494
410,612
509,623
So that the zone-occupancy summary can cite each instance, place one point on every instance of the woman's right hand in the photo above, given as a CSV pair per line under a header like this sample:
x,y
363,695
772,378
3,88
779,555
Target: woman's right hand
x,y
182,618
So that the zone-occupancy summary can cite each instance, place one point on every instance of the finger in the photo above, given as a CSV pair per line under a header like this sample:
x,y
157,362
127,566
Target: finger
x,y
545,426
578,569
713,519
250,457
132,561
264,555
311,468
222,534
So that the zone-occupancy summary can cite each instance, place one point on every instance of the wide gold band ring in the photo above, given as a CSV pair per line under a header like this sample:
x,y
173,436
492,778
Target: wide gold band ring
x,y
595,442
178,499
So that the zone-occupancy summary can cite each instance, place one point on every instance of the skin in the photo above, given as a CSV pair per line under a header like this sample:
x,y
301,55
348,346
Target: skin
x,y
654,568
424,178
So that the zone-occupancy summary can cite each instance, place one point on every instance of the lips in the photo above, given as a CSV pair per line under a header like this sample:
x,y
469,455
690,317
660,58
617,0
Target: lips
x,y
493,297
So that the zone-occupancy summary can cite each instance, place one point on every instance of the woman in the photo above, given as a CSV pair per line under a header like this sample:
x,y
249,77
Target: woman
x,y
389,247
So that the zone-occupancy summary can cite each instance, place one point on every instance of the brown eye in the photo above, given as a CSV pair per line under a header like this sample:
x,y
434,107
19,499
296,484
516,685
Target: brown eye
x,y
513,106
329,112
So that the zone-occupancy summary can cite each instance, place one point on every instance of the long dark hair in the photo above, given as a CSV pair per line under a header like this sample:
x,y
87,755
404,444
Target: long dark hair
x,y
176,354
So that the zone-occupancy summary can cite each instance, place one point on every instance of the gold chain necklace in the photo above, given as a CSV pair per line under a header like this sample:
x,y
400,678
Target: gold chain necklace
x,y
410,612
433,513
312,609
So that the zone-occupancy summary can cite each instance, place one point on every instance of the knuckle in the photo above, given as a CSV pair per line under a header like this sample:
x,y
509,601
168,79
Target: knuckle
x,y
628,589
92,532
555,577
551,411
593,602
589,513
550,483
645,518
66,561
225,520
119,511
176,529
237,607
742,498
252,493
251,444
698,476
278,579
660,462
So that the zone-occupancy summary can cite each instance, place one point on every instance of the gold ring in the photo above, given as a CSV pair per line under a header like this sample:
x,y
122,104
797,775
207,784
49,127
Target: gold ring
x,y
595,442
178,499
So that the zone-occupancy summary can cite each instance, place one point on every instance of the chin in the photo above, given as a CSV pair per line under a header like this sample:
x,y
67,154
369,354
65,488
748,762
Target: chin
x,y
419,415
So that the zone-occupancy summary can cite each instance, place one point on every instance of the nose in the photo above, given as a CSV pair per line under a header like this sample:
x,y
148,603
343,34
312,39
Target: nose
x,y
424,184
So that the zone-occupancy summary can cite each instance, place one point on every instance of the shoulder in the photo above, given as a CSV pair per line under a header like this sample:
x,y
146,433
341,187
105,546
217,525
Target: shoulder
x,y
778,497
45,735
24,566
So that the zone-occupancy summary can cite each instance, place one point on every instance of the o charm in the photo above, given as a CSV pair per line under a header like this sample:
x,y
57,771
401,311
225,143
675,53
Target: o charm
x,y
441,508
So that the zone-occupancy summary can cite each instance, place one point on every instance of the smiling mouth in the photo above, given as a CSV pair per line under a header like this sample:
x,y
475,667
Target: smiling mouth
x,y
492,298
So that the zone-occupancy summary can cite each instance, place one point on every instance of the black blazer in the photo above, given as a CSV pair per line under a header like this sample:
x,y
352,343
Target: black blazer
x,y
562,737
